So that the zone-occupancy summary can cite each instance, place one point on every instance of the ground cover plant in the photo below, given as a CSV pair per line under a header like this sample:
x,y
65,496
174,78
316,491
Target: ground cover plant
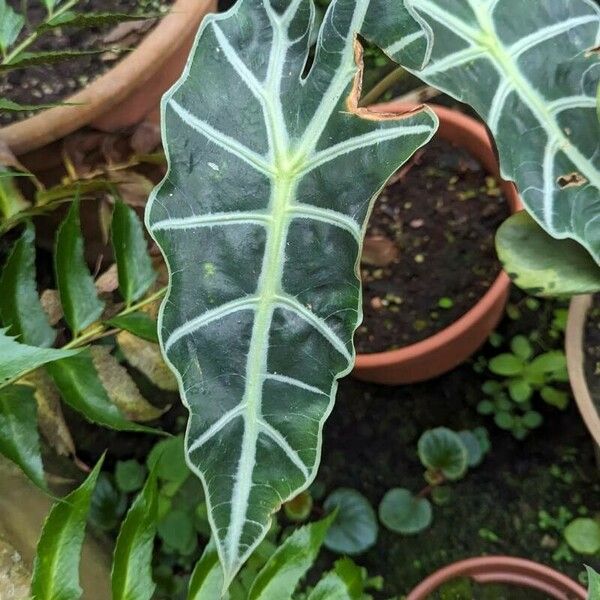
x,y
260,219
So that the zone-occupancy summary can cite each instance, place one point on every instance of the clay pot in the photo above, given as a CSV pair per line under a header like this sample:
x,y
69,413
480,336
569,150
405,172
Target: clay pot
x,y
506,570
448,348
125,95
574,342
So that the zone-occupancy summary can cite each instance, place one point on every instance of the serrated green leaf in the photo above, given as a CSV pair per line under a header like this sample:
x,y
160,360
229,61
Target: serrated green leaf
x,y
206,582
17,359
507,365
583,535
282,572
442,450
138,323
56,566
355,528
542,265
131,575
47,57
10,105
531,72
11,24
555,397
81,388
19,438
262,246
403,512
20,307
76,287
93,19
136,274
12,200
593,584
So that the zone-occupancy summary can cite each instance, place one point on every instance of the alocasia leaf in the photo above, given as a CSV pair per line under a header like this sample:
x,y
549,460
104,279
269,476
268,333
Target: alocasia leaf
x,y
531,70
56,566
261,219
20,306
19,439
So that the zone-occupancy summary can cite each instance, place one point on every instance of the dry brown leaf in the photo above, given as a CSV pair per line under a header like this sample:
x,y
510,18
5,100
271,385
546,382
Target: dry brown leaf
x,y
127,33
146,138
134,188
146,357
51,420
52,307
379,251
14,576
121,388
108,282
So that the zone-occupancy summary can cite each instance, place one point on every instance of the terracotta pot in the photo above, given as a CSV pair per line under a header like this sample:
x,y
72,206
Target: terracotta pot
x,y
507,570
574,342
126,94
454,344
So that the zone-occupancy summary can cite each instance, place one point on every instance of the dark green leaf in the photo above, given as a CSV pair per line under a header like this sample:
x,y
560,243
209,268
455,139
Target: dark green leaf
x,y
532,419
17,359
93,19
354,529
138,323
11,24
56,566
81,388
405,513
519,390
20,306
167,459
177,530
475,452
136,274
129,475
46,57
442,450
108,504
75,284
280,576
19,439
521,347
132,565
542,265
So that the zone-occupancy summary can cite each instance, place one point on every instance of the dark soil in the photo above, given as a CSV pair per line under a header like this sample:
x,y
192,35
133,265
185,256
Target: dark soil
x,y
370,444
50,83
442,214
592,350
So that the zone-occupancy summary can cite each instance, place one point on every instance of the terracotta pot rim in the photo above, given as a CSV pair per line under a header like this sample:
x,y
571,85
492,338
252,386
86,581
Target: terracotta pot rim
x,y
574,341
486,301
510,570
114,86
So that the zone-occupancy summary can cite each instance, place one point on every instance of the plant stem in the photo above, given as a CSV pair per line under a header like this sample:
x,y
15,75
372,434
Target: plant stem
x,y
380,88
93,334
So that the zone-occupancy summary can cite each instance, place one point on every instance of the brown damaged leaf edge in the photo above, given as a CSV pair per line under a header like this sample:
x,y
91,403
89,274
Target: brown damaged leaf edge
x,y
355,94
592,52
574,179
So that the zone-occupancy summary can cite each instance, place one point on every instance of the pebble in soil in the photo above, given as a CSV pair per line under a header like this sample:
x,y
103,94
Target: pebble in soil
x,y
441,214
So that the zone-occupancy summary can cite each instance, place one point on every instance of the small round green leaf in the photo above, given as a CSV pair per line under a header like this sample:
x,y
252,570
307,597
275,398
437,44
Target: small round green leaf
x,y
129,475
402,512
555,397
583,535
442,450
521,347
507,365
475,452
532,419
519,390
504,420
355,527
